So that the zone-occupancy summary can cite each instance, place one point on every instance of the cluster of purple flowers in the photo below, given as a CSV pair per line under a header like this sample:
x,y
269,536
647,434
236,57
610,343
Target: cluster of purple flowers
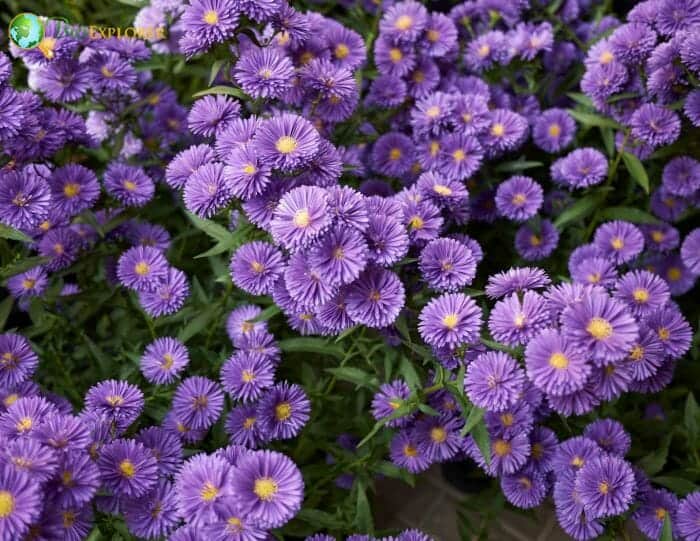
x,y
406,535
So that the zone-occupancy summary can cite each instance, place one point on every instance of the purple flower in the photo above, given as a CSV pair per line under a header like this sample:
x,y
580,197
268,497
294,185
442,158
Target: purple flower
x,y
207,190
519,198
347,46
676,15
655,506
691,108
514,280
77,480
142,268
632,43
405,452
201,485
387,239
306,286
386,91
681,176
392,154
17,359
301,216
283,411
31,283
118,400
507,131
486,50
606,486
20,503
404,22
525,489
516,319
207,22
390,397
269,488
688,517
245,174
163,360
286,141
127,468
439,438
447,264
494,381
264,73
242,426
690,251
211,114
154,514
618,240
246,375
168,296
610,435
460,156
536,241
555,365
128,184
393,59
74,188
644,292
198,402
61,246
240,322
655,125
508,455
30,457
233,524
24,199
256,266
553,130
375,298
672,329
580,168
187,162
340,256
452,319
165,447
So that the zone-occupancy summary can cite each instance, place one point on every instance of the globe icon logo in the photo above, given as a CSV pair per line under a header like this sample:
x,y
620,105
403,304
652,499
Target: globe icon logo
x,y
26,30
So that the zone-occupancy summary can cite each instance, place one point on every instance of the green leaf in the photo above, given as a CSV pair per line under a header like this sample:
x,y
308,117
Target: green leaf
x,y
347,332
518,165
581,99
390,470
12,234
691,418
319,519
629,214
215,69
197,325
679,485
268,313
214,230
228,90
407,370
482,440
475,416
21,265
354,375
5,309
590,119
654,462
428,410
636,169
666,532
578,210
403,409
307,344
363,512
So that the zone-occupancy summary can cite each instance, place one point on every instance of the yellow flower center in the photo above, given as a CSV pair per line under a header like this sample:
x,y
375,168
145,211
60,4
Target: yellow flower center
x,y
599,328
525,482
673,274
142,268
129,185
606,57
617,243
283,411
71,189
637,353
249,169
418,76
559,361
554,130
577,461
507,419
501,447
434,148
265,73
404,22
45,225
211,17
416,222
257,267
10,399
286,144
341,51
67,478
433,112
440,189
664,333
68,519
433,35
209,492
234,525
395,154
46,46
535,240
594,277
375,296
395,403
248,423
660,513
603,487
247,376
519,320
459,155
498,129
302,218
114,400
24,424
450,321
247,326
640,295
167,363
265,488
127,468
104,70
519,199
657,236
338,253
438,434
537,451
484,50
395,55
410,450
58,248
7,503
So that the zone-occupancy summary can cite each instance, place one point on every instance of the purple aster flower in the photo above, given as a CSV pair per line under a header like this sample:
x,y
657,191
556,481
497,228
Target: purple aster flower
x,y
31,283
688,517
432,115
301,215
118,400
681,176
486,50
570,511
508,455
375,298
207,190
393,59
333,315
245,174
439,438
632,43
423,219
452,319
447,264
77,480
165,447
142,268
512,420
644,292
387,239
507,131
606,486
198,402
598,271
655,125
186,433
386,91
404,21
440,37
256,266
516,280
242,426
62,432
340,256
74,188
237,133
646,356
154,514
601,81
207,22
405,453
24,199
163,360
233,524
655,506
618,240
536,241
128,184
553,130
240,322
109,74
201,485
580,168
187,162
494,381
519,198
260,341
269,487
390,397
460,156
692,107
20,503
660,237
525,489
283,411
392,154
680,280
347,46
127,468
471,113
676,16
610,435
555,365
61,246
286,142
245,375
572,454
168,296
210,114
18,362
28,456
306,286
543,445
672,329
690,251
443,192
264,73
516,318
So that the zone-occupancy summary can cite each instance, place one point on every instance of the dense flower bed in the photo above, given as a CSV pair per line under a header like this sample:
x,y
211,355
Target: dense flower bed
x,y
277,254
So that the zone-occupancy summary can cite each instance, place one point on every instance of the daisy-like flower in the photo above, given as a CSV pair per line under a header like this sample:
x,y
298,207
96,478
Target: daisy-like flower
x,y
77,479
24,199
606,486
17,359
127,468
187,162
392,154
306,286
423,219
554,365
644,292
516,319
245,375
154,514
690,251
580,168
387,91
439,438
233,524
119,401
31,283
440,35
148,234
301,216
610,435
165,447
486,50
688,517
517,418
242,426
20,503
494,381
286,141
375,298
245,174
655,125
432,115
210,114
388,399
29,456
447,264
283,411
536,241
553,130
443,192
129,184
515,280
404,21
452,319
198,402
508,455
507,130
209,21
681,176
347,46
601,325
387,239
264,72
201,485
142,268
207,190
74,188
647,354
269,487
405,453
163,360
340,256
525,489
519,198
460,156
618,240
655,506
394,59
240,322
543,444
168,296
672,329
598,271
256,266
61,246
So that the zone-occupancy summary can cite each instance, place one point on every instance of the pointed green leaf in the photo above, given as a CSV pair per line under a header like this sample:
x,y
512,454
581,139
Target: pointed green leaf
x,y
227,90
666,532
590,119
475,416
354,375
482,440
629,214
307,344
581,99
363,512
636,170
581,208
13,234
518,165
691,418
214,230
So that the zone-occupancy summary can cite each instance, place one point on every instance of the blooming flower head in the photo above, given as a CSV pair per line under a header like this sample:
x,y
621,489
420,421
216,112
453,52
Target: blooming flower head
x,y
525,489
243,427
246,374
154,514
439,437
388,399
128,468
20,503
207,190
610,435
120,401
30,283
606,486
519,198
405,453
618,240
168,296
17,359
283,411
537,240
201,484
163,360
690,251
447,264
494,381
515,319
207,22
128,184
392,154
656,505
655,125
256,266
264,72
165,447
460,156
644,292
286,141
210,114
672,329
553,130
187,162
240,322
301,216
24,199
451,319
516,280
269,487
375,298
681,176
580,168
198,402
74,188
340,256
688,517
507,131
404,21
142,268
